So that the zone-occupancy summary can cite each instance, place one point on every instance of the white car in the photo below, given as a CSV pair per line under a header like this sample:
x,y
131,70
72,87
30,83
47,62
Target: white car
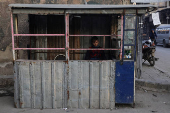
x,y
163,35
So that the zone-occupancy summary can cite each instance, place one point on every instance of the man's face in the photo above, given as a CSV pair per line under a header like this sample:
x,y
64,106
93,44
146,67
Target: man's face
x,y
96,43
152,31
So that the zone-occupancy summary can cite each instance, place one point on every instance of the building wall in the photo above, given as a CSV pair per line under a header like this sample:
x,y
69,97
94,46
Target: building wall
x,y
6,60
163,16
148,22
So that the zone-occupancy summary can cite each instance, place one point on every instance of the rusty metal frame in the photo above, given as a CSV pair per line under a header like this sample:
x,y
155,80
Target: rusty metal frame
x,y
121,57
12,31
67,35
66,39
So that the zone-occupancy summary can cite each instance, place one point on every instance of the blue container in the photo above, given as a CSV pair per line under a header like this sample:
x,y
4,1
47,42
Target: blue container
x,y
124,82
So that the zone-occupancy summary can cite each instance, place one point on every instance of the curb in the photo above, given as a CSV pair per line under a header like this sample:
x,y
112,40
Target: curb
x,y
149,84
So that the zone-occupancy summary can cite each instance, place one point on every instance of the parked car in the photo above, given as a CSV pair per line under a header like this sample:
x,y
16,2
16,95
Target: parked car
x,y
163,35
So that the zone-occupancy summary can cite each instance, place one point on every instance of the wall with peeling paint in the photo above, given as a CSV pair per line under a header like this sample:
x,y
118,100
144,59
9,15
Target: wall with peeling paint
x,y
6,62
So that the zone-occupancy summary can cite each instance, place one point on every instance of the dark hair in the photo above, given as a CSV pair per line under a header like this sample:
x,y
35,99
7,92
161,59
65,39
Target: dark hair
x,y
152,30
93,39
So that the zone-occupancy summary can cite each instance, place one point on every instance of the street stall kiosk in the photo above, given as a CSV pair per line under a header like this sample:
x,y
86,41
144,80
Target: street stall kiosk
x,y
49,43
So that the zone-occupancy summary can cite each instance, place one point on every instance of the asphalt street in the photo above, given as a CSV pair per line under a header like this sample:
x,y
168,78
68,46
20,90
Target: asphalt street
x,y
146,102
160,72
164,58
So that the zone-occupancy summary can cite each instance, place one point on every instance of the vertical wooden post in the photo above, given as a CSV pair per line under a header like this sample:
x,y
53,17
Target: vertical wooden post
x,y
12,31
16,32
104,42
76,39
112,33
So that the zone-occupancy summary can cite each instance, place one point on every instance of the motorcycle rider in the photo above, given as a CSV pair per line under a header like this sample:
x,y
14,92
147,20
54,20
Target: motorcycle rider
x,y
153,36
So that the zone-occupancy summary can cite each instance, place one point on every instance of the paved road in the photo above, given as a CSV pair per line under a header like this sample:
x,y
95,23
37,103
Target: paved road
x,y
146,102
164,58
160,73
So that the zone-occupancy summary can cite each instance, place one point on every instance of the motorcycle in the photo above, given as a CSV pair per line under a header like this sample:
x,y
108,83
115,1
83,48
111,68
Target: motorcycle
x,y
148,50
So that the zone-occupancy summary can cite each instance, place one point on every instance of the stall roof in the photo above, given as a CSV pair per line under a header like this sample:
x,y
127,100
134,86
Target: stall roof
x,y
79,6
77,9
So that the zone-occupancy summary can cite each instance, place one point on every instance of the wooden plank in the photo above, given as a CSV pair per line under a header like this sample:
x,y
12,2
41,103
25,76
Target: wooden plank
x,y
58,82
38,11
85,99
32,84
25,93
108,11
91,86
76,28
112,85
47,80
16,85
38,84
42,84
52,85
104,92
95,85
73,84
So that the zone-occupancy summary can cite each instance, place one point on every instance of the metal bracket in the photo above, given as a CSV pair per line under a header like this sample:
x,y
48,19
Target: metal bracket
x,y
121,62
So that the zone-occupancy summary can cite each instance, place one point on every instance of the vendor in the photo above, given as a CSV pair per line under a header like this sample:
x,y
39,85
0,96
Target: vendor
x,y
95,54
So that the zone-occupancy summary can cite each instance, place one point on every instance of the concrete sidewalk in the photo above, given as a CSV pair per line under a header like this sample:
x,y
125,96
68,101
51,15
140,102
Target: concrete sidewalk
x,y
154,77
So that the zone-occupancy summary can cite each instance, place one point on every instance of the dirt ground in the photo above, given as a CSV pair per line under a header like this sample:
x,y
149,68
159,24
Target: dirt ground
x,y
147,101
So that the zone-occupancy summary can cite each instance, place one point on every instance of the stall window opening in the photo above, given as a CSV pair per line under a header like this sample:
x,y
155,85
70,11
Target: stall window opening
x,y
47,36
84,27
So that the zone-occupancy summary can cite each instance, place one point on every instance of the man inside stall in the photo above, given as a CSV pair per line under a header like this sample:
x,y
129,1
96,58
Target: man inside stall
x,y
95,54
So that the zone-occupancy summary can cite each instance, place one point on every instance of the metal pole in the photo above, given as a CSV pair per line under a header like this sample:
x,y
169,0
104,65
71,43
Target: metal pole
x,y
93,35
66,76
16,32
39,48
12,31
93,49
39,35
121,37
67,36
140,50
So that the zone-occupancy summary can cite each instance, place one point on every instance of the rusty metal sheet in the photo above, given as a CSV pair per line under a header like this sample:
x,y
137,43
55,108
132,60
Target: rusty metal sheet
x,y
24,85
94,85
76,6
57,84
32,84
38,11
130,11
91,84
47,79
16,85
37,84
141,11
99,11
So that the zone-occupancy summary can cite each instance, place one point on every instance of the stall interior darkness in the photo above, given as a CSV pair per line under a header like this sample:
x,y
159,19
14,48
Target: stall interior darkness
x,y
78,25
